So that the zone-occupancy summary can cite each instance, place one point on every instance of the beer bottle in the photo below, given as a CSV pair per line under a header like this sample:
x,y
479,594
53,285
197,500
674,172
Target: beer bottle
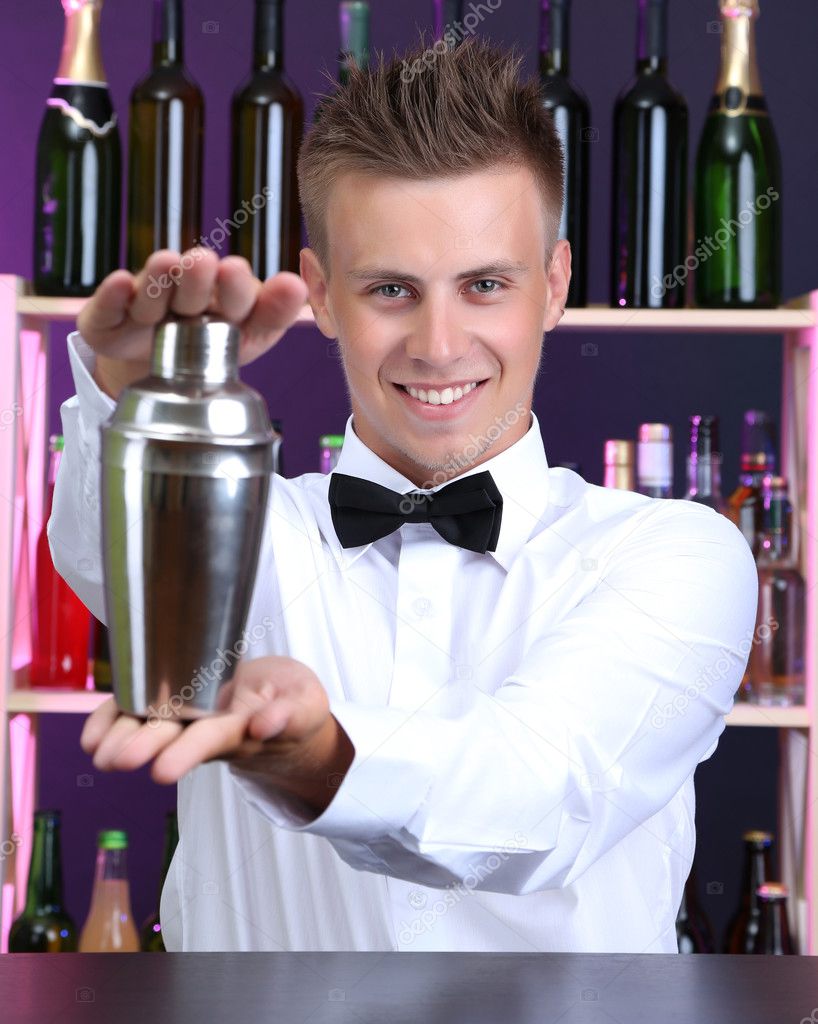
x,y
150,936
743,925
774,931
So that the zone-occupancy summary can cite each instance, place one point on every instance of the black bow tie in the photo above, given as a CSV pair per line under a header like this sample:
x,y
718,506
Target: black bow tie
x,y
466,512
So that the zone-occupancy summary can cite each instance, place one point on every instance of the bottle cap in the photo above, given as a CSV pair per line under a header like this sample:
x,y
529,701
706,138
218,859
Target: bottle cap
x,y
112,839
772,891
330,440
56,443
756,836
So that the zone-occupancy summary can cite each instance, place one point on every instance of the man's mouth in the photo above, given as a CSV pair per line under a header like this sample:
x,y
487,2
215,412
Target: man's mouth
x,y
440,396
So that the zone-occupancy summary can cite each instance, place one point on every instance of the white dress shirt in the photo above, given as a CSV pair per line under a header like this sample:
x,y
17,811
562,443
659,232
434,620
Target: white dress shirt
x,y
526,722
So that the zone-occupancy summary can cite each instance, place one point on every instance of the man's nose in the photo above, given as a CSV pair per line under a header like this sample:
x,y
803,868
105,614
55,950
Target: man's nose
x,y
438,336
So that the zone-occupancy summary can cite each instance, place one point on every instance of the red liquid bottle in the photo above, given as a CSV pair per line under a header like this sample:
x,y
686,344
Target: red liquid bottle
x,y
61,624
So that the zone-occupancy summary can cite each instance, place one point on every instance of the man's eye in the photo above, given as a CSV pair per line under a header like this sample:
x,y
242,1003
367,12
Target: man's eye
x,y
498,285
380,290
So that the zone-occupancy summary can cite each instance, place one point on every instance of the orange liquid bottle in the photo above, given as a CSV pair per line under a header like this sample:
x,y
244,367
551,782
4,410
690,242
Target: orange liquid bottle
x,y
109,927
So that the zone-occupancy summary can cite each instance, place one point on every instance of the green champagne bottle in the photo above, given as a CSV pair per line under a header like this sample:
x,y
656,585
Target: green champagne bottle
x,y
150,936
738,179
44,926
267,122
572,119
648,223
77,201
165,147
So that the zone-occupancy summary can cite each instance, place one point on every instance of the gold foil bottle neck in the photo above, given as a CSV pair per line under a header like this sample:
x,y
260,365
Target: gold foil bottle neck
x,y
619,464
739,67
81,57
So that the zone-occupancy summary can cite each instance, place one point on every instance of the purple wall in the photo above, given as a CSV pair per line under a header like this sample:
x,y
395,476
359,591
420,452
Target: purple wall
x,y
655,378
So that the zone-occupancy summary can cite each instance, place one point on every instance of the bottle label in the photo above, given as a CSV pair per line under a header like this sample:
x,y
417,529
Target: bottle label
x,y
88,106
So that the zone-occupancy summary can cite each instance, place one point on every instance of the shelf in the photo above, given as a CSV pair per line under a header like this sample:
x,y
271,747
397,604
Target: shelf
x,y
57,701
735,321
52,307
590,318
776,718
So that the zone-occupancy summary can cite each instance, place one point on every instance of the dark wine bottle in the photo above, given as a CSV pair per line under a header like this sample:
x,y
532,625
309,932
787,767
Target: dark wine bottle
x,y
77,202
150,936
738,179
103,674
572,120
693,930
44,926
267,120
742,927
165,147
648,229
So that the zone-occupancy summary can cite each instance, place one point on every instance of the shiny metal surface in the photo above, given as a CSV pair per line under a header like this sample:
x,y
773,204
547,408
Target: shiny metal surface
x,y
187,463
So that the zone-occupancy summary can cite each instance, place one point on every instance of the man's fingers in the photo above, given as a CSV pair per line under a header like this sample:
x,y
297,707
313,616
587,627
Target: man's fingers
x,y
196,279
97,725
107,308
278,304
200,741
237,289
131,743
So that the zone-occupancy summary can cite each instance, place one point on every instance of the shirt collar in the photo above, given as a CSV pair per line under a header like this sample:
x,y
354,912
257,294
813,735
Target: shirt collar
x,y
520,472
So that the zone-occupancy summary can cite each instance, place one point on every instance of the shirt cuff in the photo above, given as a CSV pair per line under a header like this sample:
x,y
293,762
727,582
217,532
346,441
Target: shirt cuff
x,y
397,753
95,406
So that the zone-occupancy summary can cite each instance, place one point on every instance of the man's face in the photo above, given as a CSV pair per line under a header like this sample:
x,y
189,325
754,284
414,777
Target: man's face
x,y
436,285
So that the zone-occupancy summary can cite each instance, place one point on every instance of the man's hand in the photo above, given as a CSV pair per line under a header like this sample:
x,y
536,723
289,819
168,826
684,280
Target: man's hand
x,y
274,719
119,319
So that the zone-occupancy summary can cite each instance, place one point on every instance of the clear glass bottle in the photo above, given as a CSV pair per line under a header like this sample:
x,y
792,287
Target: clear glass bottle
x,y
704,462
330,445
109,927
776,663
654,460
619,460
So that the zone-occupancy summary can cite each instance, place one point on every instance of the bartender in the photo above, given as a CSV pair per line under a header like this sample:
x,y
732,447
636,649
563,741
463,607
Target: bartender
x,y
475,731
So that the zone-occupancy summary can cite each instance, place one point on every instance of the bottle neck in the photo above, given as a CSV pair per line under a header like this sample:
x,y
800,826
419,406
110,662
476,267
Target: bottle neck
x,y
620,476
81,56
111,866
739,68
354,38
554,37
704,476
775,930
268,37
756,872
44,891
651,37
168,33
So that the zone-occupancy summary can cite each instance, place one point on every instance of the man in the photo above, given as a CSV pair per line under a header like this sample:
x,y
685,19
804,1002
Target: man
x,y
484,741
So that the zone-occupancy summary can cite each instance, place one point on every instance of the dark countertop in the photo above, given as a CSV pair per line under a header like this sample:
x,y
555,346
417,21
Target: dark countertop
x,y
393,988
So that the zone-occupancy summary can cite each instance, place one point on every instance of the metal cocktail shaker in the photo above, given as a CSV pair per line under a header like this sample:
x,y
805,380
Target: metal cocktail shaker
x,y
187,461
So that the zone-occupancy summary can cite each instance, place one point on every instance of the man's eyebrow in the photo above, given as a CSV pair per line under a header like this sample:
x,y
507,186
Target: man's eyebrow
x,y
375,273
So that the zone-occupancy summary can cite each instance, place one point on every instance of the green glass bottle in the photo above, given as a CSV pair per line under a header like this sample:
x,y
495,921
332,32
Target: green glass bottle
x,y
165,147
448,21
150,936
738,179
572,119
649,204
354,15
77,200
267,122
44,926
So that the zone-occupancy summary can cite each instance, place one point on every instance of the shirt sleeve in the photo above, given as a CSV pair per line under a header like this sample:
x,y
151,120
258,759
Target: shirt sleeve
x,y
75,527
596,731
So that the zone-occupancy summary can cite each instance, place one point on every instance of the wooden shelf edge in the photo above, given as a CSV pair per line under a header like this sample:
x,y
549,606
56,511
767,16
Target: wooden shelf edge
x,y
21,698
774,718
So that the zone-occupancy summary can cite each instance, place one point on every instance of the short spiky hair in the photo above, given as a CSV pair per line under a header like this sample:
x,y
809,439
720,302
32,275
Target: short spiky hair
x,y
432,113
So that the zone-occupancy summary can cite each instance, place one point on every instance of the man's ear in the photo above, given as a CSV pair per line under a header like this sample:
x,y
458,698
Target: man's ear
x,y
313,274
559,277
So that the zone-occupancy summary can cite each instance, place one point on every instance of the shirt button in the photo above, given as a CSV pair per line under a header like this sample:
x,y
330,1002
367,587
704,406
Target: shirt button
x,y
422,606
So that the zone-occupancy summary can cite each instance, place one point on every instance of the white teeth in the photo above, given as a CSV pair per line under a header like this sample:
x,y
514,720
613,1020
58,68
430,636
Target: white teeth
x,y
444,397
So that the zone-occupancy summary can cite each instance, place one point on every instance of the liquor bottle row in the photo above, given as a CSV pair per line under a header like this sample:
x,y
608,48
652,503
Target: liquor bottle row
x,y
46,927
736,256
761,508
735,259
760,923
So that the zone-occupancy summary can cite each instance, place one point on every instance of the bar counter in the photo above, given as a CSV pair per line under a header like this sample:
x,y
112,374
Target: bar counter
x,y
421,988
